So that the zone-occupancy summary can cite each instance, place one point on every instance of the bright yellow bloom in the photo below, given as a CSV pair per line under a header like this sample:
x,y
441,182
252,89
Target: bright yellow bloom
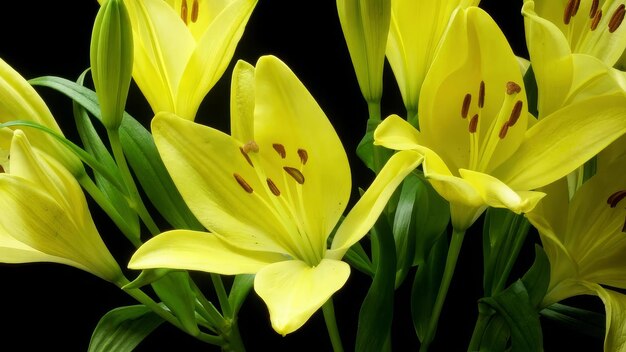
x,y
417,27
20,101
271,194
585,240
182,48
481,148
45,217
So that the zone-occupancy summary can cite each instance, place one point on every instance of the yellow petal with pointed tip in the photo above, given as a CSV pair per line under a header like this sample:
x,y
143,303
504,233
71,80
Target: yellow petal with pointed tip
x,y
293,291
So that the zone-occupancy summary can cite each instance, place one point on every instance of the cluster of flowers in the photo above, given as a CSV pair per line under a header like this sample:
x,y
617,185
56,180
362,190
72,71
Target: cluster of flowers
x,y
484,130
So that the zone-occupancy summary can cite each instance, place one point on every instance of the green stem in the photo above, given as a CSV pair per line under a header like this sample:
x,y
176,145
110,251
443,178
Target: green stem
x,y
331,324
373,108
87,183
222,296
479,329
453,254
135,199
522,225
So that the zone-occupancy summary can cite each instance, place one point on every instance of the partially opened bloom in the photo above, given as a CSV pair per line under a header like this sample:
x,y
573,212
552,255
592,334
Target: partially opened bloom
x,y
182,48
415,33
45,217
20,101
271,194
585,240
481,147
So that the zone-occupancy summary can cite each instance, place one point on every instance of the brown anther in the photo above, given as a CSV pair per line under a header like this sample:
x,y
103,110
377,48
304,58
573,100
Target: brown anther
x,y
280,149
466,105
596,20
245,155
184,11
304,156
512,88
295,174
481,95
194,11
569,11
624,226
273,187
594,8
615,198
504,130
246,187
617,18
2,169
251,146
515,113
576,6
473,124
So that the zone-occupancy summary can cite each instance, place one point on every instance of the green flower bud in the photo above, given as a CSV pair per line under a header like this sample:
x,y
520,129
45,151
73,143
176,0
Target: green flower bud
x,y
112,60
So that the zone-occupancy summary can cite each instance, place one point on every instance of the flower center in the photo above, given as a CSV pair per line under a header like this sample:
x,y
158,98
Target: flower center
x,y
482,148
582,31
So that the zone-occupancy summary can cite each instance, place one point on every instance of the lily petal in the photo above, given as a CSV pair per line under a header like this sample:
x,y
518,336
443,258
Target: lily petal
x,y
193,250
615,308
293,291
242,102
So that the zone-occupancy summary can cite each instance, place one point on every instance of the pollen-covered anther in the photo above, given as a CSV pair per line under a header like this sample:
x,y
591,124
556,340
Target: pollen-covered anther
x,y
615,198
569,11
504,130
617,18
184,11
251,146
246,187
594,8
245,155
481,95
272,186
280,149
467,100
295,174
515,113
512,88
596,20
473,124
194,11
304,156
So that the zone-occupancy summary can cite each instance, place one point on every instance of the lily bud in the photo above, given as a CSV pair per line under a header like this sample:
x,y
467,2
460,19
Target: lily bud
x,y
112,60
365,25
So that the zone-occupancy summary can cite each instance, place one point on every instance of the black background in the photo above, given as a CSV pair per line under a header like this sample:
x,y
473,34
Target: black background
x,y
54,307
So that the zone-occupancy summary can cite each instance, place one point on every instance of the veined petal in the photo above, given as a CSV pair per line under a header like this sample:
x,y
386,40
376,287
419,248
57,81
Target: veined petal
x,y
497,194
15,252
615,307
293,291
242,102
561,142
211,56
367,210
218,184
593,77
194,250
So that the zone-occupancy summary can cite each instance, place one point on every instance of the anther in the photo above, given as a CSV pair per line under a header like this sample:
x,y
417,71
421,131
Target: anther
x,y
624,226
473,124
576,5
617,18
194,11
251,146
515,113
481,95
504,130
569,11
295,174
615,198
594,8
183,11
596,20
273,187
280,149
466,105
304,156
512,88
245,155
246,187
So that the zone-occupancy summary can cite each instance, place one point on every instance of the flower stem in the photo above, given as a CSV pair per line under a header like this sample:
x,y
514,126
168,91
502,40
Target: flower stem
x,y
331,324
451,259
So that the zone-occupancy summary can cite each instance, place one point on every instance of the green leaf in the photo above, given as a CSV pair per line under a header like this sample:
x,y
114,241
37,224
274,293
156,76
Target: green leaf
x,y
239,291
530,84
142,154
404,225
579,320
123,328
146,277
426,286
537,278
514,305
176,293
365,149
432,217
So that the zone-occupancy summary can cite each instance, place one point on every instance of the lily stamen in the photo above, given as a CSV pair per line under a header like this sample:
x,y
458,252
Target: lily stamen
x,y
246,187
194,11
295,174
481,95
617,18
473,124
594,8
280,149
245,155
467,100
516,113
569,11
272,186
596,20
184,11
615,198
304,156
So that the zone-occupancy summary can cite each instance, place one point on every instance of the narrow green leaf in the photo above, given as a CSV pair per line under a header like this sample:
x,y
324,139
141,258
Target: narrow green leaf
x,y
537,278
432,217
123,328
239,291
579,320
404,225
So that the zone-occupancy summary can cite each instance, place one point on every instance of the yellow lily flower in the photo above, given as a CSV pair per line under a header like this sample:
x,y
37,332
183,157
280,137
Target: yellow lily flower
x,y
585,240
20,101
481,148
45,217
182,48
414,36
270,194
